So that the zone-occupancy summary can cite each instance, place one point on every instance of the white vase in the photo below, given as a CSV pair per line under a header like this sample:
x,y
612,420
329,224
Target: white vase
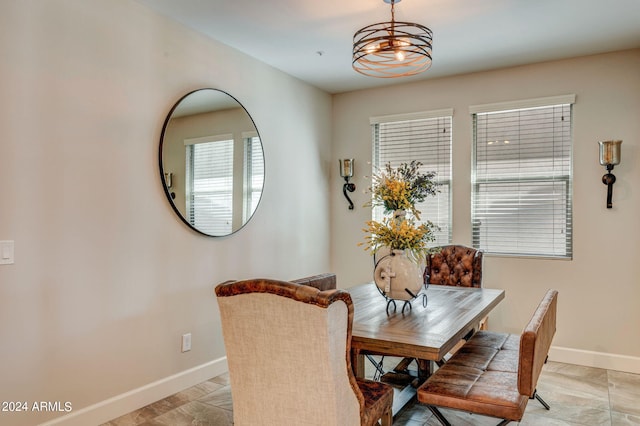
x,y
397,276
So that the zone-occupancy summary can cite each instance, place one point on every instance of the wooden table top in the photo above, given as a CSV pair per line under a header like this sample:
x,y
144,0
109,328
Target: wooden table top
x,y
424,333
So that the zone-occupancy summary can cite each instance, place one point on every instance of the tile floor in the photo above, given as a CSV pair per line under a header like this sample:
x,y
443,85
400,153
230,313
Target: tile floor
x,y
577,395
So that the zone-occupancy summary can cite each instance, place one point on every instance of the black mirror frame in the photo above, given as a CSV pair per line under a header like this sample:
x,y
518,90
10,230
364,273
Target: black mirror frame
x,y
170,196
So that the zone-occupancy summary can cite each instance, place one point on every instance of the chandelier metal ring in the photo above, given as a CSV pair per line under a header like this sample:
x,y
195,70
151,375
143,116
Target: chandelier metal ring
x,y
392,49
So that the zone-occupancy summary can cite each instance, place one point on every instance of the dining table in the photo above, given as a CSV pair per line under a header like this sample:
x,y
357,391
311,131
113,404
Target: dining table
x,y
434,323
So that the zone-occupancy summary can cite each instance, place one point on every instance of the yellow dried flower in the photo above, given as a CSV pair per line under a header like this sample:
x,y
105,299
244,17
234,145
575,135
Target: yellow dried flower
x,y
401,234
400,189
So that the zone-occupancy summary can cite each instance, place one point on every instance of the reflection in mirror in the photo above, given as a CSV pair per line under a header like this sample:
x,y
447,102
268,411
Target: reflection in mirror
x,y
211,162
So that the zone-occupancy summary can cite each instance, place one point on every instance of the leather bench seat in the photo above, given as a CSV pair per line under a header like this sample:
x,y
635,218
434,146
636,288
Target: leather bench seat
x,y
481,377
495,374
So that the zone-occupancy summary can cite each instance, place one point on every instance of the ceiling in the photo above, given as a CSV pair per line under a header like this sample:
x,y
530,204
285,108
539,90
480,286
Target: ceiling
x,y
312,39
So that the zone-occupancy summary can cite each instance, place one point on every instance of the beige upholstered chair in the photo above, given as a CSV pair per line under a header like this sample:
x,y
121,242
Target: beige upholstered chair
x,y
288,349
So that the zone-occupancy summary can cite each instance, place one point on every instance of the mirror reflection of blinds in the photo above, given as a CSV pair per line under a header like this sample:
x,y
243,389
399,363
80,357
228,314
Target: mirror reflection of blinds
x,y
210,184
427,140
522,183
254,169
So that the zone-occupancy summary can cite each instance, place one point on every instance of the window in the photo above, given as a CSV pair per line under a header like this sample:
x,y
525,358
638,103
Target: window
x,y
423,137
522,177
209,197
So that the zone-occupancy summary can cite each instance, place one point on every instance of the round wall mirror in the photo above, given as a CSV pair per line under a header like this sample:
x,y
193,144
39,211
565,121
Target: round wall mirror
x,y
211,162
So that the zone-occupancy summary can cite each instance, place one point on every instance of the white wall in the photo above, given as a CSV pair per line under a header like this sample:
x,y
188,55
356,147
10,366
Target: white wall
x,y
106,277
599,301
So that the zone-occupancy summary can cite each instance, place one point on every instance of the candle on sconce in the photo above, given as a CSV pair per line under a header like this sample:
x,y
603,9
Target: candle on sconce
x,y
609,153
346,167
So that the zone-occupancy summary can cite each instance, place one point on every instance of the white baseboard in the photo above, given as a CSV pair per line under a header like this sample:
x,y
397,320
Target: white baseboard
x,y
137,398
629,364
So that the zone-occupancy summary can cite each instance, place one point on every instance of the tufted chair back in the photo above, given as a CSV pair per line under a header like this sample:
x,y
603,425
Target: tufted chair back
x,y
288,349
455,265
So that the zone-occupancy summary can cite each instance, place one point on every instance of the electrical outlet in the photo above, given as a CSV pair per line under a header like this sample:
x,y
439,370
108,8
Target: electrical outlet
x,y
186,342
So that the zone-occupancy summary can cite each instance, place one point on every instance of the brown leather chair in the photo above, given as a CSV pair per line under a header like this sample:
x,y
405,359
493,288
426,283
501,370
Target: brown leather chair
x,y
455,265
289,355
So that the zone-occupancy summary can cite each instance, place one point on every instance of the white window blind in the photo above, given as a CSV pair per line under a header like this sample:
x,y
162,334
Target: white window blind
x,y
254,170
210,184
423,137
522,179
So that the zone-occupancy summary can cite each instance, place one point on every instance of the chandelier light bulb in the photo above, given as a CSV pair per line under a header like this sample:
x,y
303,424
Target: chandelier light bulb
x,y
372,48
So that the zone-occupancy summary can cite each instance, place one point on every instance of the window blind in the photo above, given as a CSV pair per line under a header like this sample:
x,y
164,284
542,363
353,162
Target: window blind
x,y
209,165
423,137
522,181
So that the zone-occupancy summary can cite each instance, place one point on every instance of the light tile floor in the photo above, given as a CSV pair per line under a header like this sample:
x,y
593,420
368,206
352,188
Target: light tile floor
x,y
577,395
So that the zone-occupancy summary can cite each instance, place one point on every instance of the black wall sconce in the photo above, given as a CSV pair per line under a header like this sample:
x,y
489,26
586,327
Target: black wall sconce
x,y
346,171
609,157
168,180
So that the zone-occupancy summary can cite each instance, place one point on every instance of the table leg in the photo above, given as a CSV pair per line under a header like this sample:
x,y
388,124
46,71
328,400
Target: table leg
x,y
425,368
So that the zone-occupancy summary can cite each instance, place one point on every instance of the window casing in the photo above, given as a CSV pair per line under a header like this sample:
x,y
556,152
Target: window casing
x,y
254,174
424,137
522,178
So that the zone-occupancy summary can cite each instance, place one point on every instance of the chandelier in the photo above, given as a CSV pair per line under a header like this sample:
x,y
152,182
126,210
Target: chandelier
x,y
392,49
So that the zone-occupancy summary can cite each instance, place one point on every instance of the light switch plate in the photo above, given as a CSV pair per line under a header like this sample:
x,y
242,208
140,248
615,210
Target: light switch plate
x,y
6,252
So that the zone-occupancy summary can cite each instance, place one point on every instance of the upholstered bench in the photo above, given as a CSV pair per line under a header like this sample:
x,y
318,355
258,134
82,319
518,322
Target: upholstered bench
x,y
495,374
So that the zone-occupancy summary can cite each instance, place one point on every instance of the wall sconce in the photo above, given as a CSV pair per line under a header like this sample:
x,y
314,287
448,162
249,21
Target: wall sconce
x,y
609,157
346,171
168,180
